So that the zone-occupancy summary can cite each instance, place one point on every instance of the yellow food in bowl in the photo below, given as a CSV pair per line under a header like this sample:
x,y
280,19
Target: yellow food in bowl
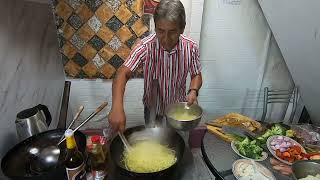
x,y
148,156
183,115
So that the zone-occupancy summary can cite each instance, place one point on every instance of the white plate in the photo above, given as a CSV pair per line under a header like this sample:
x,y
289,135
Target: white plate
x,y
274,152
234,148
262,169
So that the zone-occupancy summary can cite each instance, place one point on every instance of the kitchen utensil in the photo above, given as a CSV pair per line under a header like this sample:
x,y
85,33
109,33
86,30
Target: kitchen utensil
x,y
263,157
165,136
19,161
271,138
239,132
183,124
220,134
74,120
124,141
49,156
32,121
257,166
151,120
302,169
103,105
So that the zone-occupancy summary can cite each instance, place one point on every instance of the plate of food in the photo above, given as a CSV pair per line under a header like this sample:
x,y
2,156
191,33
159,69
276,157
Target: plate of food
x,y
245,169
285,149
249,150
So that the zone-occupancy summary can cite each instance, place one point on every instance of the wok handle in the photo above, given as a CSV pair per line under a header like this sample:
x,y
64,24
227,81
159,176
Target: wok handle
x,y
103,105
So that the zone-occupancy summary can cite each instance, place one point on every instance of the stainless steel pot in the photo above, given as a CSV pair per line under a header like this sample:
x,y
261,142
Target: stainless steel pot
x,y
183,124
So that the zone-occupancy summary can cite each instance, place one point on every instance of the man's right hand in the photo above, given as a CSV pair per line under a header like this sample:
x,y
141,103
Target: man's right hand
x,y
117,119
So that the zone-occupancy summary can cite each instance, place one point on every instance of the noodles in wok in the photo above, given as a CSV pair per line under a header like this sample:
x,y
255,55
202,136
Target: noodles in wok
x,y
148,156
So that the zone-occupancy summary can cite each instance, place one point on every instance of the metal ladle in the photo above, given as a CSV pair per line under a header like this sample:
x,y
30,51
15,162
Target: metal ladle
x,y
49,156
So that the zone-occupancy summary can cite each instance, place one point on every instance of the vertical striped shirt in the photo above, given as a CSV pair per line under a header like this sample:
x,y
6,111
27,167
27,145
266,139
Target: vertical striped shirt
x,y
169,68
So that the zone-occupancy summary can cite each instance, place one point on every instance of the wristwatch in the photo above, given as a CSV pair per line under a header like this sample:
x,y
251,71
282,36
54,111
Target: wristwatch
x,y
196,90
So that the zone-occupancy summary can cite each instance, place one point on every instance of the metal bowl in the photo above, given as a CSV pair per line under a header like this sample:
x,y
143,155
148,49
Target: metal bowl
x,y
302,169
183,124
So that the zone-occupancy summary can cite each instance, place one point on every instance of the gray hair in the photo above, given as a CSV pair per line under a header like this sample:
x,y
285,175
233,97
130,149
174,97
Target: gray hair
x,y
172,10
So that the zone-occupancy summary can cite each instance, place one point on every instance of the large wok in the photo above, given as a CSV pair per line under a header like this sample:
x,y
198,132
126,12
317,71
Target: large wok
x,y
20,161
166,136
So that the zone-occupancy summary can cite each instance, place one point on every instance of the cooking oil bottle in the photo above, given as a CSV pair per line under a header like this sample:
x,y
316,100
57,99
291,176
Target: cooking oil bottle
x,y
74,161
98,159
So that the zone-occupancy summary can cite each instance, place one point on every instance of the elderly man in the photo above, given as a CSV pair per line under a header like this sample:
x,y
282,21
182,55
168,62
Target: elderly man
x,y
167,56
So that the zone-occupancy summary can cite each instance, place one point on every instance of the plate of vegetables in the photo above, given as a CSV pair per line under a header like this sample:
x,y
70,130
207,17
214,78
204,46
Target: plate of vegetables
x,y
249,149
285,149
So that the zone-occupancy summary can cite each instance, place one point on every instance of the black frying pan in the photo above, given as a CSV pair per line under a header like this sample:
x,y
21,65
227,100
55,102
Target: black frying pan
x,y
18,161
166,136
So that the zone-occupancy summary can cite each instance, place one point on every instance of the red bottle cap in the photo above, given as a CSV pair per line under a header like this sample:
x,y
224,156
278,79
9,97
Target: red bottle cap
x,y
95,138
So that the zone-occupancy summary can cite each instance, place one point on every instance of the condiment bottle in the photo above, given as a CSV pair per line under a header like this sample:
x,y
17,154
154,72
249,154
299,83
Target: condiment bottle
x,y
98,159
74,161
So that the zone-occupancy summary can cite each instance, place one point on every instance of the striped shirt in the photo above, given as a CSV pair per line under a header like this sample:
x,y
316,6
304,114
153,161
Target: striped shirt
x,y
170,68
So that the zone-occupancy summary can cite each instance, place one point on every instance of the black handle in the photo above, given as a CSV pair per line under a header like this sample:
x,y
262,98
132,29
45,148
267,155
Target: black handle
x,y
46,112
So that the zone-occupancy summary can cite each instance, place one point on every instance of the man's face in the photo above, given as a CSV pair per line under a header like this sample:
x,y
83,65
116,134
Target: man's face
x,y
168,33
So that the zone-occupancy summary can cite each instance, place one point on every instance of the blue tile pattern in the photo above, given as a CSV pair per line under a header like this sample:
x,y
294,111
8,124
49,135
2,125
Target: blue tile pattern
x,y
132,20
114,5
75,21
94,23
97,42
74,3
116,61
114,24
130,42
115,43
61,40
93,4
79,59
77,41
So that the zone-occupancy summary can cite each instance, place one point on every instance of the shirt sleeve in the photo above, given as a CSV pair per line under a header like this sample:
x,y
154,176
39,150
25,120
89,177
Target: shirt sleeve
x,y
136,56
195,65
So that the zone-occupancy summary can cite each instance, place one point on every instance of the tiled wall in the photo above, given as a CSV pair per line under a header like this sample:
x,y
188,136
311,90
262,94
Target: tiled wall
x,y
96,36
31,71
